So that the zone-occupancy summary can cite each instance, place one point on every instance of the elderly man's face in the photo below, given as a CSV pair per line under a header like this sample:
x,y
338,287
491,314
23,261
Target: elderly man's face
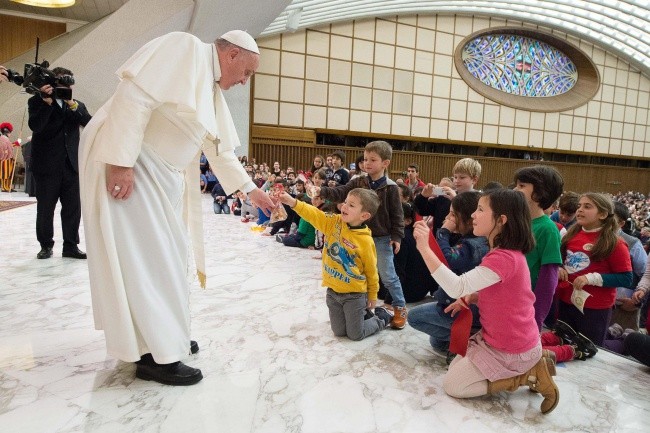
x,y
237,66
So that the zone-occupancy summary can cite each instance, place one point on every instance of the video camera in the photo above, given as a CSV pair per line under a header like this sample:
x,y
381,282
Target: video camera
x,y
37,75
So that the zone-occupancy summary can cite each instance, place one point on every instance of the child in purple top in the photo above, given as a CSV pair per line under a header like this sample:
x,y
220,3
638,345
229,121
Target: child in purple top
x,y
507,352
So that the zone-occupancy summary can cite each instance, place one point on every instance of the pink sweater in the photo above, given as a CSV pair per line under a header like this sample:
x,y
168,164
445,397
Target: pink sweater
x,y
507,311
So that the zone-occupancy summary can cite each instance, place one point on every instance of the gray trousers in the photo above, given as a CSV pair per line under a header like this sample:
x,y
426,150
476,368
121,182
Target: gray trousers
x,y
347,315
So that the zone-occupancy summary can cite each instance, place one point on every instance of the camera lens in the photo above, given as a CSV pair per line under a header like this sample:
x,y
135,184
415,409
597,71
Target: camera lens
x,y
14,77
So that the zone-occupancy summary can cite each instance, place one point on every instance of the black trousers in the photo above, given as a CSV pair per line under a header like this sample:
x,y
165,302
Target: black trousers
x,y
638,346
51,188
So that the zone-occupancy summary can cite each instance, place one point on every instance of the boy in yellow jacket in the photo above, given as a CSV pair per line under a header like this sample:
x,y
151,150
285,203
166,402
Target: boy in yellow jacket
x,y
349,263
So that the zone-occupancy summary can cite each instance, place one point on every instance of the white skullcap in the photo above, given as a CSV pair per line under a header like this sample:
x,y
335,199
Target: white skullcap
x,y
242,40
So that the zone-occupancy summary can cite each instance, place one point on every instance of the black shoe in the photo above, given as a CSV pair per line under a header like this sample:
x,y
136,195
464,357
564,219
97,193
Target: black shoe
x,y
176,373
585,345
74,254
194,347
44,253
384,314
565,332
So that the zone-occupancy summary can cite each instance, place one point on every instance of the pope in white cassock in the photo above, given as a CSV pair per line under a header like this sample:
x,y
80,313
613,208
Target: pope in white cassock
x,y
141,204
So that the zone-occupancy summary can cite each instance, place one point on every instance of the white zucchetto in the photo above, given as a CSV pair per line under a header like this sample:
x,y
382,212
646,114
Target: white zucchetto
x,y
242,40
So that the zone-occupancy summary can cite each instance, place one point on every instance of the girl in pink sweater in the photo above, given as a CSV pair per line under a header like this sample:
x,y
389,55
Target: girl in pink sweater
x,y
507,352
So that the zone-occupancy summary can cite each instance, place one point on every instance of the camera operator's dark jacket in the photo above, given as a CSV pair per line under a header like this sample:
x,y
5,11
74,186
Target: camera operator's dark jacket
x,y
55,134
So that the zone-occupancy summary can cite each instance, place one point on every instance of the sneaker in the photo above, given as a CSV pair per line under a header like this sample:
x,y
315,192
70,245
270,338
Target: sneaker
x,y
565,332
585,346
440,352
384,314
279,238
399,320
578,355
616,331
369,314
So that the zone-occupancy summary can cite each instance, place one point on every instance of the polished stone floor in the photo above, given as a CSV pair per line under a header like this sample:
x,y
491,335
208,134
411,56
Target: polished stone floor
x,y
270,361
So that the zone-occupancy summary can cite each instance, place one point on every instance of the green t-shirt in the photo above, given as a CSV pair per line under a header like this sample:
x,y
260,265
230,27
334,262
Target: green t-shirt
x,y
547,247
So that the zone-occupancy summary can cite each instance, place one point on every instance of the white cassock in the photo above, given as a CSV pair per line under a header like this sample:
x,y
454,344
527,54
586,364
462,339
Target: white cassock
x,y
141,250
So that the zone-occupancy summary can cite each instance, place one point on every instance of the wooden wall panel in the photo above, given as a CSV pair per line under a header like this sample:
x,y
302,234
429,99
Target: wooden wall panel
x,y
19,35
285,146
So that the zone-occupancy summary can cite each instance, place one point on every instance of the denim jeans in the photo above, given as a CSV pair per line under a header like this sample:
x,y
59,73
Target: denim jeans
x,y
431,319
386,268
221,208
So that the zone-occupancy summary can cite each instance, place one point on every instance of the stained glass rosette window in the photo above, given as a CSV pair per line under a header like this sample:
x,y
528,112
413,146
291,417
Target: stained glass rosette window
x,y
519,65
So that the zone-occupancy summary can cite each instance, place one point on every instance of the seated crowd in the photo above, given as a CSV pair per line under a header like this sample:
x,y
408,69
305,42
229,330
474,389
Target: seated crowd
x,y
586,261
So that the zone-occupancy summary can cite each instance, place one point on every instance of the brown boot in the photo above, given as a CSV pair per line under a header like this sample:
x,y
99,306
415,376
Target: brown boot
x,y
549,357
509,384
540,380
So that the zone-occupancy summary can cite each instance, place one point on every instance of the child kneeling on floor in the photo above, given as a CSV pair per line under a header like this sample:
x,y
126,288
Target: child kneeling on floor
x,y
349,263
506,353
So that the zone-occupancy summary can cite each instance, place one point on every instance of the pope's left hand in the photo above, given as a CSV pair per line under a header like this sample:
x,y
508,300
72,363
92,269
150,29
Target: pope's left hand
x,y
262,200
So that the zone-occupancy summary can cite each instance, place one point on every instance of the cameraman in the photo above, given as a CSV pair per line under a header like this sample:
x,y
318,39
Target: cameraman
x,y
55,141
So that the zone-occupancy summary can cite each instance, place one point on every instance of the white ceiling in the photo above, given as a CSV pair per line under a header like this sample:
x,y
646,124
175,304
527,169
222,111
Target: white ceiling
x,y
622,27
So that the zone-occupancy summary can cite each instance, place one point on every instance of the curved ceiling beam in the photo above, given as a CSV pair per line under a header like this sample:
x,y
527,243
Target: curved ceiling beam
x,y
621,27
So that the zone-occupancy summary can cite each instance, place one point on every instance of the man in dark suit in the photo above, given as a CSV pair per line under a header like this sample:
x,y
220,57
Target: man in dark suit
x,y
55,141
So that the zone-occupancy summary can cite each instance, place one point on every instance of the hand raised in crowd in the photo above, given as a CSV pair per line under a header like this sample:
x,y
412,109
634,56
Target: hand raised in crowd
x,y
638,296
285,198
6,149
580,282
448,192
421,233
450,223
119,181
262,200
427,191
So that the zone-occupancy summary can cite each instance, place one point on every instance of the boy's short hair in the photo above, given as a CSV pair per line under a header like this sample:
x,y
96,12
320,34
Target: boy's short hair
x,y
415,167
468,166
547,183
569,202
381,148
300,181
405,192
303,197
339,154
368,198
321,173
491,186
280,180
407,209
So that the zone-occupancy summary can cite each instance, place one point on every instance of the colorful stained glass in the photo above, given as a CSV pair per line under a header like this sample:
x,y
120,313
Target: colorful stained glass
x,y
519,65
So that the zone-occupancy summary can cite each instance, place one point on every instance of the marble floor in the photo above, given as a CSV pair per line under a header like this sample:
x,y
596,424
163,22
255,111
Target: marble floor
x,y
270,361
